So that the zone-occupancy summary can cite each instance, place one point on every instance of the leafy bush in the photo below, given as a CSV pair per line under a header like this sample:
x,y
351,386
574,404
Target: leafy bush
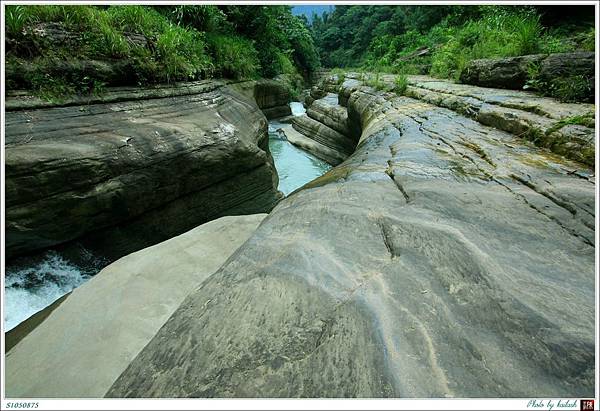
x,y
234,57
182,53
204,18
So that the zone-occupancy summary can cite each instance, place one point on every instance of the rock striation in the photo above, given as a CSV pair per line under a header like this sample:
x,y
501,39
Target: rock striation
x,y
136,166
325,123
271,96
566,129
443,258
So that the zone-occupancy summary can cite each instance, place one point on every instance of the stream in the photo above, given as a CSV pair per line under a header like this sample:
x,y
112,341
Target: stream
x,y
295,167
32,283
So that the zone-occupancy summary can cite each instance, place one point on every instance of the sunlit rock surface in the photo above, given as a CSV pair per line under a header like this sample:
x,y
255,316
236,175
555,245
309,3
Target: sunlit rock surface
x,y
134,167
443,258
90,338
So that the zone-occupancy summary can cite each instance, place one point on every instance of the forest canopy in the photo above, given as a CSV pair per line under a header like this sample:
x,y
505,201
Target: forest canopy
x,y
383,37
57,49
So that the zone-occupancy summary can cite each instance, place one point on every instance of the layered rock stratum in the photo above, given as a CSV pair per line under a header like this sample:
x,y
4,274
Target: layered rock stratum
x,y
446,256
136,166
443,258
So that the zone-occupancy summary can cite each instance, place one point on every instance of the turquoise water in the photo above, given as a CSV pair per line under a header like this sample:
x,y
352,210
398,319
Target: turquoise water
x,y
295,167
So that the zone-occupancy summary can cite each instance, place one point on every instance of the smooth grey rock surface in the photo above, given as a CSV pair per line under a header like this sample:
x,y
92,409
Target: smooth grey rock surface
x,y
443,258
271,96
88,341
323,135
135,170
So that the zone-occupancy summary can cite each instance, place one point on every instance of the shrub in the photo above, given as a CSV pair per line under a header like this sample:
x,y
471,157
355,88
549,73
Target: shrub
x,y
234,57
182,53
401,84
137,19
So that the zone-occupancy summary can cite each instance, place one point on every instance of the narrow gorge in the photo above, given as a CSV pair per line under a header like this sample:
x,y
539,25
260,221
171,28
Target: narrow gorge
x,y
225,218
384,277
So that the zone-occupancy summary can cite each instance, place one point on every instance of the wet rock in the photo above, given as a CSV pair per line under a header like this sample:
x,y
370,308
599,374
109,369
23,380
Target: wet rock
x,y
323,135
83,345
319,150
135,168
326,110
441,259
271,96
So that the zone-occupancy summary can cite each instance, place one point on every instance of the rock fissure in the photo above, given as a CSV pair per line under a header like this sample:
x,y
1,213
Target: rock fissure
x,y
549,216
389,171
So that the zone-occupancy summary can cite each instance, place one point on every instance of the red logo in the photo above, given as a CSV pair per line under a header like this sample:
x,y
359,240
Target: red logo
x,y
586,405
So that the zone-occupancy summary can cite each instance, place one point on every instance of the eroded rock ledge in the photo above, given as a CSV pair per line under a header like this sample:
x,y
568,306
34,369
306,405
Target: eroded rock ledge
x,y
324,130
88,340
443,258
136,166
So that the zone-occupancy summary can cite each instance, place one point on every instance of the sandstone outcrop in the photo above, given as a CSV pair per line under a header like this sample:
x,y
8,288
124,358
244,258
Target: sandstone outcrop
x,y
514,72
509,72
135,166
564,128
443,258
88,340
325,123
271,96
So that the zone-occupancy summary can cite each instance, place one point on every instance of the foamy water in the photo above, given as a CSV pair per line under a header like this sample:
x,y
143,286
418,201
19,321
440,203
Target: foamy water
x,y
29,289
297,108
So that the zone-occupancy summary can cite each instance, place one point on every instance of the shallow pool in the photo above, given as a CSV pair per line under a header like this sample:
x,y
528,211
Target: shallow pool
x,y
295,167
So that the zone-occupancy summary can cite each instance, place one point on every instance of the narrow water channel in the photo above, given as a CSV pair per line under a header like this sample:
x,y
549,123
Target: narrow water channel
x,y
295,167
33,283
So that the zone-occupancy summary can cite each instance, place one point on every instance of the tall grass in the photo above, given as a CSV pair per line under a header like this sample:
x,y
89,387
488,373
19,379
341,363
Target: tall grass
x,y
182,53
495,35
14,19
500,32
234,57
137,19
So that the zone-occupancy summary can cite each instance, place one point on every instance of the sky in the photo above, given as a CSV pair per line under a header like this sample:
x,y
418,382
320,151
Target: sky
x,y
309,10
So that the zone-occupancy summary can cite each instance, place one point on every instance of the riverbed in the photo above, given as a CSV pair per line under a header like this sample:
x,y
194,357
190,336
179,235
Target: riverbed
x,y
295,167
33,283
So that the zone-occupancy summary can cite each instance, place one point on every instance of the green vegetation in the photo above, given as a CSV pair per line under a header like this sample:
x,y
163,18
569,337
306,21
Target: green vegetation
x,y
56,49
48,46
375,81
401,84
441,40
586,120
568,89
